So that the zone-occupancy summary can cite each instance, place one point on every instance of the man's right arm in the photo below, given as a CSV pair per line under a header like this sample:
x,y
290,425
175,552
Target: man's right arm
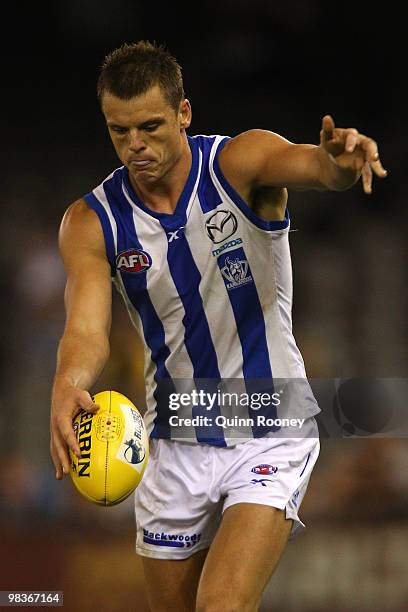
x,y
84,347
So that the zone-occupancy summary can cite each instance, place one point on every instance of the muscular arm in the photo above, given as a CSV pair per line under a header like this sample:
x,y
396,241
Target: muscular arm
x,y
257,160
84,347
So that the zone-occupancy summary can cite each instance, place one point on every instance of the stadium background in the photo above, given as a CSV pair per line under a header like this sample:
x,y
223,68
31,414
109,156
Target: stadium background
x,y
273,65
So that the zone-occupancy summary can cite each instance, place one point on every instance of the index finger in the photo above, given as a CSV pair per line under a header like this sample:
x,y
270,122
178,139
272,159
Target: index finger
x,y
66,425
327,127
67,432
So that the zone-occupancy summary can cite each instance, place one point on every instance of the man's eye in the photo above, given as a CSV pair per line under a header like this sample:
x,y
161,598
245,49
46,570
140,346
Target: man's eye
x,y
151,128
119,130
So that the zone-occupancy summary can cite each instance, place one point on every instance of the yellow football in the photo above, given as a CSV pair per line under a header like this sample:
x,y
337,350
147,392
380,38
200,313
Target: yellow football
x,y
114,450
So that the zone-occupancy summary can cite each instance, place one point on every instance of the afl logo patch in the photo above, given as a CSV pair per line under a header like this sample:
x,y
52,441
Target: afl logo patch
x,y
221,225
134,261
264,469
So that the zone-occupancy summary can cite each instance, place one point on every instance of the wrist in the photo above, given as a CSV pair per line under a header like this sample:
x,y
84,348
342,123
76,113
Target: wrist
x,y
65,379
337,176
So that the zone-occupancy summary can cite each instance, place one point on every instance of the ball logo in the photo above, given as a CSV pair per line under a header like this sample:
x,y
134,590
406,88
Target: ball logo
x,y
221,225
134,261
264,469
134,452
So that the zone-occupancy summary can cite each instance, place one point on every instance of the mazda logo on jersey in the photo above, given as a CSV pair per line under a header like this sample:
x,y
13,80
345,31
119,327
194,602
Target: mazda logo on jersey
x,y
221,225
133,260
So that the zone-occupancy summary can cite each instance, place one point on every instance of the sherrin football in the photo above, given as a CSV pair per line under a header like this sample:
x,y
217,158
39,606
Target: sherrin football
x,y
114,450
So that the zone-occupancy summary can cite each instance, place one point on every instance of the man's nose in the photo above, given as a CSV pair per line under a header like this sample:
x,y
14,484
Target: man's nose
x,y
136,141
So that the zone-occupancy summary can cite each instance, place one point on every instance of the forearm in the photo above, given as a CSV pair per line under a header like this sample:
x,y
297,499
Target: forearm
x,y
81,359
332,176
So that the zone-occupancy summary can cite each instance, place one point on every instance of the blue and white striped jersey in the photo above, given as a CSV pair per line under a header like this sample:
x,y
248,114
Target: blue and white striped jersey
x,y
209,288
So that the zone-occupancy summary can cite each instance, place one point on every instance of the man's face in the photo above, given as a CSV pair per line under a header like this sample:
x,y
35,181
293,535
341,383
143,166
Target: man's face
x,y
146,132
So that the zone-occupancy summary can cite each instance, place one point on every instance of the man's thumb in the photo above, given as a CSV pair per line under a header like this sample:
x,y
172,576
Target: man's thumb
x,y
86,402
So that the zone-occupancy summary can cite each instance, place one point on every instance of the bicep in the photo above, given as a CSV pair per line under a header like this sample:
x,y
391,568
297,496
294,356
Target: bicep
x,y
263,158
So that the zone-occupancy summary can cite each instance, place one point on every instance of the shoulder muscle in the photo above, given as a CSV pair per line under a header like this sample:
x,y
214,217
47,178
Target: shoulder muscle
x,y
245,155
80,234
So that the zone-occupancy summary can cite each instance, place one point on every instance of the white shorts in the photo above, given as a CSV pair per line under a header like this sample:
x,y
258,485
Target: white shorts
x,y
186,488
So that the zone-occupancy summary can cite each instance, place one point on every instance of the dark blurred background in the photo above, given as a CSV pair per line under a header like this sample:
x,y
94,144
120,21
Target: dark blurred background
x,y
273,65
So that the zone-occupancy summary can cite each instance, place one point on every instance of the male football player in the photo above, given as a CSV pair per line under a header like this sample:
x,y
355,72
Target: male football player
x,y
194,233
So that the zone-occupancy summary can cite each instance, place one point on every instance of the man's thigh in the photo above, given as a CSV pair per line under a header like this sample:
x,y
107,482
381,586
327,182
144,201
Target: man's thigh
x,y
242,558
172,584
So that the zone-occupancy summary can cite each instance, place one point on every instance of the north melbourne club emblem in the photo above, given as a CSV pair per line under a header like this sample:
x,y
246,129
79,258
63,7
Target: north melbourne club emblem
x,y
221,225
235,271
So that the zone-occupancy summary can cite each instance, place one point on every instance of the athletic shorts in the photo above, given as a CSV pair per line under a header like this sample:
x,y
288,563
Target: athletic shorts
x,y
187,487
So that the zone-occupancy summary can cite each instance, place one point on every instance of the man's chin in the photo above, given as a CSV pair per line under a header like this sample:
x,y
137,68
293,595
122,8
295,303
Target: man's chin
x,y
142,176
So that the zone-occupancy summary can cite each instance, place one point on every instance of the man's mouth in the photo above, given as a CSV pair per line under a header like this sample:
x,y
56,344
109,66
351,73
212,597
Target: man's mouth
x,y
143,163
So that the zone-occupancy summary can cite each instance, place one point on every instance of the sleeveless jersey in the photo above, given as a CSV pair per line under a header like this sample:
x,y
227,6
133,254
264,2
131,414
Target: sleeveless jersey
x,y
209,289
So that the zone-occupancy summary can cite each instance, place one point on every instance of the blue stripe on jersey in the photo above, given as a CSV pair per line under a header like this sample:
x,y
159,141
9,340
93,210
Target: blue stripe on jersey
x,y
136,289
197,337
250,323
242,205
207,193
94,203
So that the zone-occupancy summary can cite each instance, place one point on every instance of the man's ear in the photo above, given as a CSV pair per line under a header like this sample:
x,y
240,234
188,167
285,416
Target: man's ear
x,y
185,114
